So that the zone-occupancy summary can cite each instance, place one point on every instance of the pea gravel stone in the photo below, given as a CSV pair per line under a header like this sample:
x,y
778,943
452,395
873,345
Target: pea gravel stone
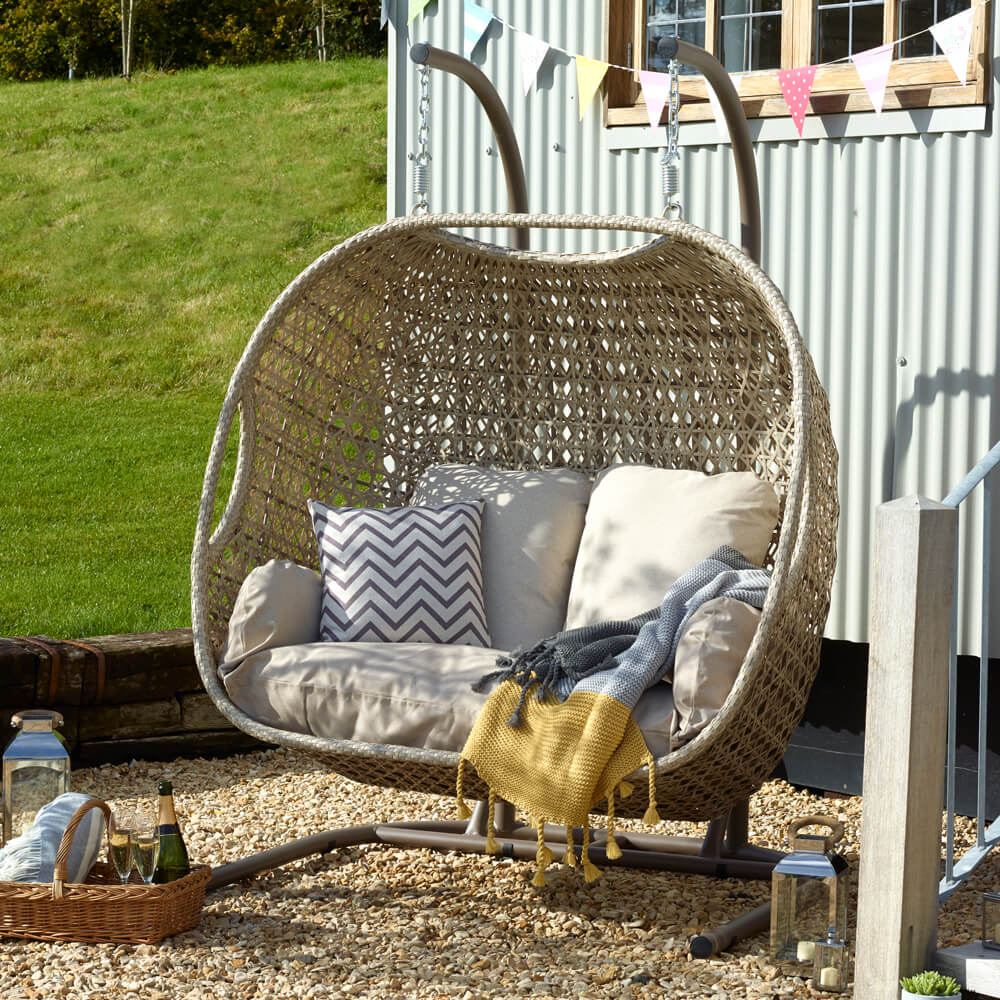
x,y
375,922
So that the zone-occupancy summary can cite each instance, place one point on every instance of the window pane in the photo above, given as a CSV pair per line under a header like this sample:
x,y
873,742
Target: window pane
x,y
735,45
766,42
866,32
660,9
693,32
919,15
767,5
833,25
692,9
735,7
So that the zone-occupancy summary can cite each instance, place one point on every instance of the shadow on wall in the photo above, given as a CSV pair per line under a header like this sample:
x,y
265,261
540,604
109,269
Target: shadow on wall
x,y
926,390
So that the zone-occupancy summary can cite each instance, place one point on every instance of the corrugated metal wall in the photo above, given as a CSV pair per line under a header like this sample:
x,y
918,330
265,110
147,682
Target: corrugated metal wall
x,y
887,249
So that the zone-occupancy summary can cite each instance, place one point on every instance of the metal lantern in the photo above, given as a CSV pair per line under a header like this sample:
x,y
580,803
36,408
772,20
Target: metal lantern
x,y
35,769
991,920
830,963
808,893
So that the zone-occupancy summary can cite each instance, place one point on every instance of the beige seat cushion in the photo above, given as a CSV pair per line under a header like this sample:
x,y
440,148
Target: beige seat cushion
x,y
531,531
708,660
409,694
646,526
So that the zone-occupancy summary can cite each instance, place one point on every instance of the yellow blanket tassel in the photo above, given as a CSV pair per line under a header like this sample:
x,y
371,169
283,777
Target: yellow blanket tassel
x,y
463,810
651,815
540,859
569,858
611,848
491,845
590,870
625,789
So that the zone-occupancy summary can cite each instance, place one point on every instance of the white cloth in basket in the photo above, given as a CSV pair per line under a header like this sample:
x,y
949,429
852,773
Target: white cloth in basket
x,y
32,856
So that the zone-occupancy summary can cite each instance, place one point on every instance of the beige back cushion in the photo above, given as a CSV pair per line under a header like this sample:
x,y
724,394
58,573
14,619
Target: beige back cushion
x,y
646,526
531,530
708,660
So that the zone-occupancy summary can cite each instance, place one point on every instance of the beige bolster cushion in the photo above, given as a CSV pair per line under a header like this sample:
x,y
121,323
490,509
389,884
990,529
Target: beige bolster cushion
x,y
278,605
708,660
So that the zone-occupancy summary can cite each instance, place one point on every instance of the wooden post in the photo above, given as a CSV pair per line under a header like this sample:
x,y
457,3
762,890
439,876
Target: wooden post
x,y
905,742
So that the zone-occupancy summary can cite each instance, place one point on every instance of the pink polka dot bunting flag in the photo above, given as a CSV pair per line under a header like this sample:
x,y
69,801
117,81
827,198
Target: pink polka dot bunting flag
x,y
796,85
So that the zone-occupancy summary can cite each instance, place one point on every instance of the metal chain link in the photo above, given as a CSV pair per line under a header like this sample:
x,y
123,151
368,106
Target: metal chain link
x,y
670,164
422,159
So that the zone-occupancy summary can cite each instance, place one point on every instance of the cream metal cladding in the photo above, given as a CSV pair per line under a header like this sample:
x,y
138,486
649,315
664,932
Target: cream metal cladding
x,y
887,248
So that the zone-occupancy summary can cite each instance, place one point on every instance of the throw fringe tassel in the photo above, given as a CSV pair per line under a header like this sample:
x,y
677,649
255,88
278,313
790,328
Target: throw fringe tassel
x,y
611,849
491,845
542,856
464,812
590,870
625,789
651,815
569,858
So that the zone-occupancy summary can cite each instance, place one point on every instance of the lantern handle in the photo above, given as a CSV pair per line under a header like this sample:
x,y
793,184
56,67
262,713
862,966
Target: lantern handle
x,y
833,824
62,858
37,714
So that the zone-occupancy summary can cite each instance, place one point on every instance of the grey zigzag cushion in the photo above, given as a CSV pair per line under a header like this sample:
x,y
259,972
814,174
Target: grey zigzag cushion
x,y
402,574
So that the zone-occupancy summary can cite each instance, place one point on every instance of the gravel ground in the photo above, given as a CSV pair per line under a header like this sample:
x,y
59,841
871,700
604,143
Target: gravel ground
x,y
374,922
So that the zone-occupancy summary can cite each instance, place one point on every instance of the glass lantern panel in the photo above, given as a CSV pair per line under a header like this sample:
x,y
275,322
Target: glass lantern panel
x,y
991,920
29,785
830,967
802,910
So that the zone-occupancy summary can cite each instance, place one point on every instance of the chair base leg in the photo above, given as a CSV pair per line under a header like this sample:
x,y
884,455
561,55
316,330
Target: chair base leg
x,y
723,853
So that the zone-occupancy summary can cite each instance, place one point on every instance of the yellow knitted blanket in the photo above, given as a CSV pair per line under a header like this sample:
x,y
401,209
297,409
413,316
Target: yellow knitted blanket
x,y
564,758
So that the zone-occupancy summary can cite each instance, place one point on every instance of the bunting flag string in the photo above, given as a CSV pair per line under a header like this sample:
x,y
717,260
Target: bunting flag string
x,y
533,52
589,74
873,68
416,7
953,35
796,85
477,20
655,92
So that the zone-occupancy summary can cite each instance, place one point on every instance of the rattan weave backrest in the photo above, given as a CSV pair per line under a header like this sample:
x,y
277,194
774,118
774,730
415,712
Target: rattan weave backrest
x,y
408,346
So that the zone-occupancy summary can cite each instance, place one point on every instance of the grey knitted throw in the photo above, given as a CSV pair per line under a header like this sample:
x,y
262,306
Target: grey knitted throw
x,y
624,658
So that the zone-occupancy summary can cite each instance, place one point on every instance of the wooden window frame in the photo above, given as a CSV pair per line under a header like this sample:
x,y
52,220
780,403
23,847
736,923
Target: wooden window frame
x,y
913,83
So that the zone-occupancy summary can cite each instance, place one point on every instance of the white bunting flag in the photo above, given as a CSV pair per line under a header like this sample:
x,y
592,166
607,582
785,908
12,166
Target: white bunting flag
x,y
873,68
477,20
385,12
533,51
713,99
656,93
954,35
589,74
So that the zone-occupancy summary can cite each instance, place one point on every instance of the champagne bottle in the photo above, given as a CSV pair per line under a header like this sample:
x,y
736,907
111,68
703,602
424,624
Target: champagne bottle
x,y
172,858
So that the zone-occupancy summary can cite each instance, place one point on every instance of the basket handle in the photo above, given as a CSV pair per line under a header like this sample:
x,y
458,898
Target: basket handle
x,y
833,824
62,857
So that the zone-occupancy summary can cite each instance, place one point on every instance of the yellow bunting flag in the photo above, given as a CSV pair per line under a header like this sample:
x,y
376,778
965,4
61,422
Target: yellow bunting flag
x,y
589,74
416,7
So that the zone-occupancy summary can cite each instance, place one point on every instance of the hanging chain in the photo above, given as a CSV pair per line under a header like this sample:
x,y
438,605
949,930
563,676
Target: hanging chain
x,y
421,162
671,162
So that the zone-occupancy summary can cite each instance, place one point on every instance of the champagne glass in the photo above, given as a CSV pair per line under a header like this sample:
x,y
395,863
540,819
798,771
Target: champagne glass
x,y
145,840
120,843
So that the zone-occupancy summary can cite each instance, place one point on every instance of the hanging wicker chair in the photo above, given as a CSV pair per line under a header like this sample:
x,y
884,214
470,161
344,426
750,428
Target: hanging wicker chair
x,y
408,346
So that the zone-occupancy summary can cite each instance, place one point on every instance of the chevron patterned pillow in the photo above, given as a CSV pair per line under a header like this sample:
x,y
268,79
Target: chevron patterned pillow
x,y
402,574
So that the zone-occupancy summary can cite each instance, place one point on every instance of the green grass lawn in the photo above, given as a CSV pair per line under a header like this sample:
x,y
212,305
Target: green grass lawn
x,y
145,229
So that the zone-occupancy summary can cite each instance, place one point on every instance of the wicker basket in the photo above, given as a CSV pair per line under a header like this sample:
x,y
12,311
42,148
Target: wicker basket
x,y
101,909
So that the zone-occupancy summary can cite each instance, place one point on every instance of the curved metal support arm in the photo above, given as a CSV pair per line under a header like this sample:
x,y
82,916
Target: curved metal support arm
x,y
746,169
517,193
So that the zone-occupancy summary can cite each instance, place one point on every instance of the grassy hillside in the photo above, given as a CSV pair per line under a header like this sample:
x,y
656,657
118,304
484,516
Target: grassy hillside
x,y
145,229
